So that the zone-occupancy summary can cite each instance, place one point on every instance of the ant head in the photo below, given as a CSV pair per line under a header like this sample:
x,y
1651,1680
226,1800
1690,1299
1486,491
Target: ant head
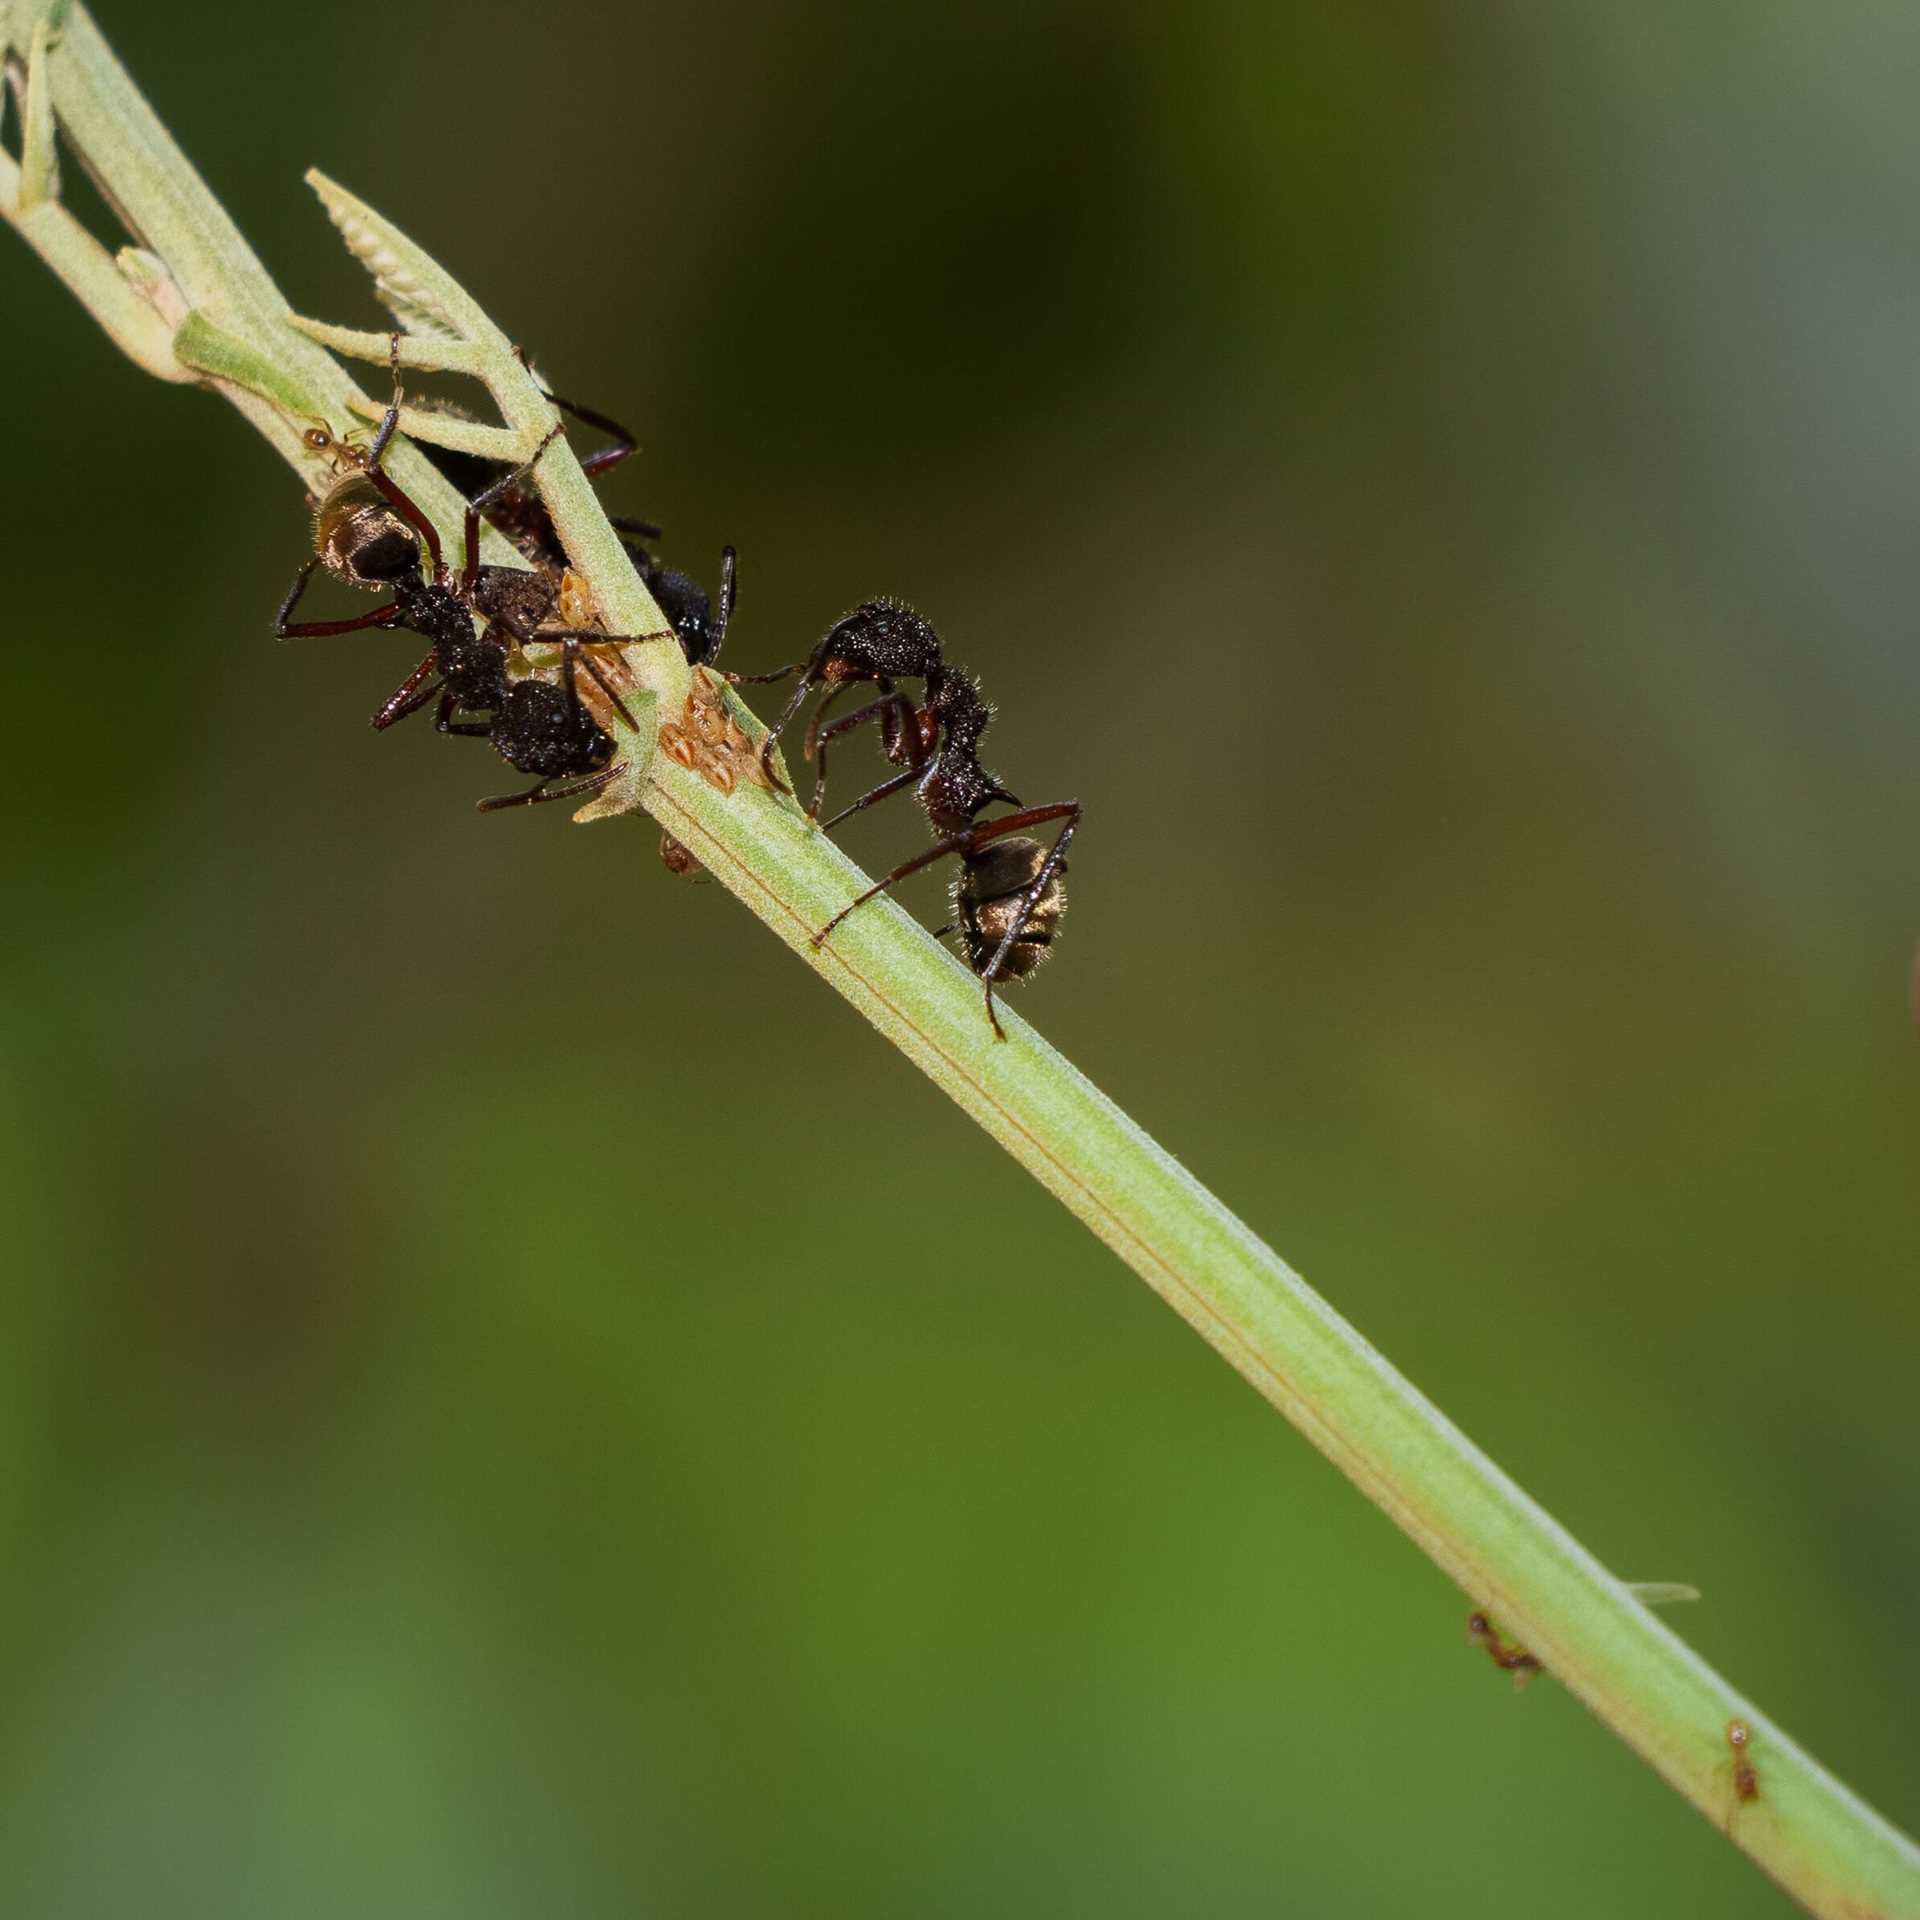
x,y
880,639
360,536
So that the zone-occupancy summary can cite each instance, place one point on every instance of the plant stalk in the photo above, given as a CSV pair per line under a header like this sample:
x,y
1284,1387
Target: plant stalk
x,y
188,301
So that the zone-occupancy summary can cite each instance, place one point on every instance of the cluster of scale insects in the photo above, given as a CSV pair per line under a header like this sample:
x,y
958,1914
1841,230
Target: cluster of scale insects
x,y
928,715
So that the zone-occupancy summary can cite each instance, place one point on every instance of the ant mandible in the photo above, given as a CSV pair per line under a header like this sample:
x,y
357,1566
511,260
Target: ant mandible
x,y
1008,896
369,532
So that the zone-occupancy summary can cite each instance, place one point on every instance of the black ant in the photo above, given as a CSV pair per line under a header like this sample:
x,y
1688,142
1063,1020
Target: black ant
x,y
370,533
708,740
518,512
1008,897
1508,1655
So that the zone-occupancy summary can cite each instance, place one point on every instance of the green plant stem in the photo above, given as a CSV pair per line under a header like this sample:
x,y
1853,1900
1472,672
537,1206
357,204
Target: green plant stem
x,y
192,302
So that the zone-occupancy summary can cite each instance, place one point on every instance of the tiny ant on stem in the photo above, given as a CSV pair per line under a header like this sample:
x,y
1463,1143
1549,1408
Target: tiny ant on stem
x,y
1507,1655
1008,897
369,532
1746,1782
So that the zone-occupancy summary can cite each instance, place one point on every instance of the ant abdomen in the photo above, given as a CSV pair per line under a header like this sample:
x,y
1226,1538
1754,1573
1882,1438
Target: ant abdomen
x,y
360,537
988,893
689,611
541,729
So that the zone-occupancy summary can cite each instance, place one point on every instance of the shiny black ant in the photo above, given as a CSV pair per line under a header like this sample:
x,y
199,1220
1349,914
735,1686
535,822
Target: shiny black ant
x,y
1008,896
369,532
518,512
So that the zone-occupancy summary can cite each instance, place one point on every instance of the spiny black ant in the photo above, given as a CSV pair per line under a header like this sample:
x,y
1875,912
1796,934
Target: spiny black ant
x,y
1008,896
370,533
517,511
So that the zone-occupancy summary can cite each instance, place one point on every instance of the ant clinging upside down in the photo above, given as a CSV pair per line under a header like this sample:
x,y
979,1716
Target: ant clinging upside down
x,y
1008,896
517,511
370,533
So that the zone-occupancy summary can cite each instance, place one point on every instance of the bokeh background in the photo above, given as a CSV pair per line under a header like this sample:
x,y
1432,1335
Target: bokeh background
x,y
512,1401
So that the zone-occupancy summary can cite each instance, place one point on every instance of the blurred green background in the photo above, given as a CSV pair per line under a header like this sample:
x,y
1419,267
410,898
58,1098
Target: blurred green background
x,y
515,1402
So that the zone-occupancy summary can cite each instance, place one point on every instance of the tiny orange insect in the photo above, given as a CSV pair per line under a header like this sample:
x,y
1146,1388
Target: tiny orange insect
x,y
1746,1782
1507,1655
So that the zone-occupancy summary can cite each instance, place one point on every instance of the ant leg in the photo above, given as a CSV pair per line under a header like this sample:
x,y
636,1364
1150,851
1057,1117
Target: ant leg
x,y
818,736
825,707
884,790
598,462
812,741
809,678
820,713
412,693
602,459
954,843
986,832
378,474
723,612
286,629
478,505
392,418
535,796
